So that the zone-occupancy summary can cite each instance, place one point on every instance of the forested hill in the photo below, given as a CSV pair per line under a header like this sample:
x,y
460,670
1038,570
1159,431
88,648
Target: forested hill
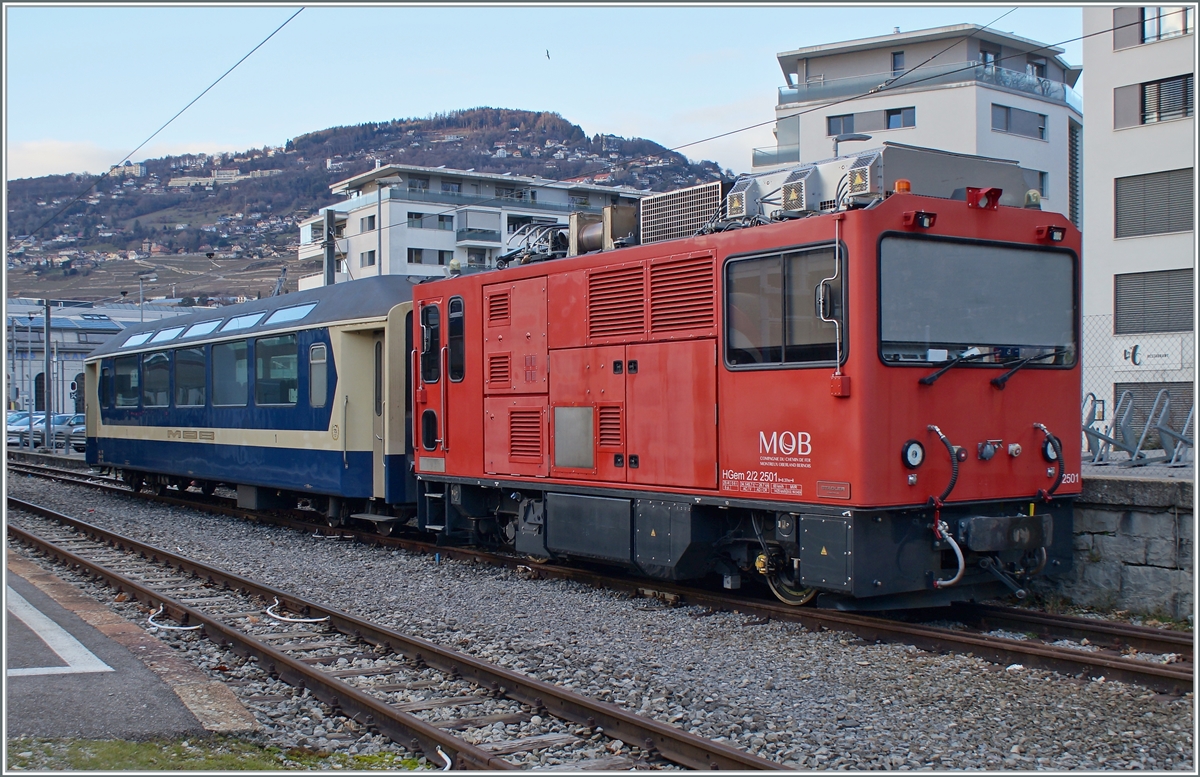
x,y
257,215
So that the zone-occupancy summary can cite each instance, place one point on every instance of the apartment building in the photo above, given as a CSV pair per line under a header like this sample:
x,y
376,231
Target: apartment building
x,y
412,220
1139,214
970,90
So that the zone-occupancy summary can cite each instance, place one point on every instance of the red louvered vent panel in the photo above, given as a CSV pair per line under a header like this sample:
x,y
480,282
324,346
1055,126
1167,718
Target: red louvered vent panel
x,y
525,434
499,372
610,427
616,302
681,295
498,308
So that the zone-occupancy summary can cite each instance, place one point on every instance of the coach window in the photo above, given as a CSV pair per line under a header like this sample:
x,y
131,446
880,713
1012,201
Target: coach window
x,y
229,374
189,377
431,344
127,387
275,381
106,376
317,376
456,339
774,309
156,380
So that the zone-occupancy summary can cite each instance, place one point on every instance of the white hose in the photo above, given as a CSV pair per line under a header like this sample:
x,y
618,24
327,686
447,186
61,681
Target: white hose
x,y
292,620
150,620
445,758
957,552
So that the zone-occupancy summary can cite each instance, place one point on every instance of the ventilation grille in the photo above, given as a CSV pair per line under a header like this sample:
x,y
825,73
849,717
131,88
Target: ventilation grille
x,y
499,372
859,175
616,302
498,308
681,295
525,434
792,196
679,213
610,427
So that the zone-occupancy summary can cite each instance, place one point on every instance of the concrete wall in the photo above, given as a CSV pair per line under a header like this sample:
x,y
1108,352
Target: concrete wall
x,y
1134,546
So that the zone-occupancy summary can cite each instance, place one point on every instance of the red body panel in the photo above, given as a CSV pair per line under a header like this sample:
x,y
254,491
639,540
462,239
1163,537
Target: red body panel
x,y
700,427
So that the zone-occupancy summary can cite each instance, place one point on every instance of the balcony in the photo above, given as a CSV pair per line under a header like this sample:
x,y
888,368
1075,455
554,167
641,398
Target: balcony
x,y
489,237
776,155
935,75
459,198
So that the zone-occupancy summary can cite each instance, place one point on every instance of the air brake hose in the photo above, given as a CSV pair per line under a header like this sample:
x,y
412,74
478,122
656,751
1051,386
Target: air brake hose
x,y
940,529
953,464
1058,459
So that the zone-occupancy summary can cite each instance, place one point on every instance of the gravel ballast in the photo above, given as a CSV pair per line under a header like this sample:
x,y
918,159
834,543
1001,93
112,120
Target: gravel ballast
x,y
805,699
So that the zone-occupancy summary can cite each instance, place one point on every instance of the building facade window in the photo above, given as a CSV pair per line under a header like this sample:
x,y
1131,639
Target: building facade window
x,y
452,187
1043,183
418,183
989,57
1158,301
366,259
415,220
840,125
1153,203
898,118
1167,99
1018,122
415,255
446,223
444,257
366,224
1168,21
1036,67
897,63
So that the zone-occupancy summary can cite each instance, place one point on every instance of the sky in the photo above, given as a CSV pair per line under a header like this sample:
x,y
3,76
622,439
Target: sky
x,y
84,86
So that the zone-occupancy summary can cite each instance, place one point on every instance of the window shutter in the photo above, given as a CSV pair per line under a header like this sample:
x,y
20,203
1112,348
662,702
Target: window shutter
x,y
1154,203
1153,302
1126,106
1127,27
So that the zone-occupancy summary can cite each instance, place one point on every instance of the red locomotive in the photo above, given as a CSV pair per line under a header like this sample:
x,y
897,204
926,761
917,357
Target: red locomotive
x,y
839,387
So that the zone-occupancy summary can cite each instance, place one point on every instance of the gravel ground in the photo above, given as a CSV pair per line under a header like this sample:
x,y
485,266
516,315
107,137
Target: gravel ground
x,y
809,700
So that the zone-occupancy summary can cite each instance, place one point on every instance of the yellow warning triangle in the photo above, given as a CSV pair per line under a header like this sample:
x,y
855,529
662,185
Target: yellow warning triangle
x,y
823,551
652,533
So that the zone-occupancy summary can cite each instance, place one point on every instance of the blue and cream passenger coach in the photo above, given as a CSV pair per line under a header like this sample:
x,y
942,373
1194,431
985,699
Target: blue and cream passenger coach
x,y
301,396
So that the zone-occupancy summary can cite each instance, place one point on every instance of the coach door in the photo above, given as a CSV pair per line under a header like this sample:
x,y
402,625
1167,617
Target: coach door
x,y
377,419
429,358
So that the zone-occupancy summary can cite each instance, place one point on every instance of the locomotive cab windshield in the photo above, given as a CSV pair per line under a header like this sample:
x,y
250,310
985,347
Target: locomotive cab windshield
x,y
955,302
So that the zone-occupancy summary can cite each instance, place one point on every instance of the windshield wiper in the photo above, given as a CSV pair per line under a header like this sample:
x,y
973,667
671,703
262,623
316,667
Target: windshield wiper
x,y
1001,380
971,354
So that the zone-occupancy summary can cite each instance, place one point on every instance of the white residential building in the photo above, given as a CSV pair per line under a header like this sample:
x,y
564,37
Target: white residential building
x,y
411,220
1139,238
980,92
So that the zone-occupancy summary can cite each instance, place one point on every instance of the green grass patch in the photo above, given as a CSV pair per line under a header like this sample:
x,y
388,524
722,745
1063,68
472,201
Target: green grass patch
x,y
217,753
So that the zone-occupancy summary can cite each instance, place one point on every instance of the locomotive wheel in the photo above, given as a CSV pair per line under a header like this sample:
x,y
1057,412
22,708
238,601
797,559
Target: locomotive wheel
x,y
133,480
785,593
385,527
208,488
537,559
160,488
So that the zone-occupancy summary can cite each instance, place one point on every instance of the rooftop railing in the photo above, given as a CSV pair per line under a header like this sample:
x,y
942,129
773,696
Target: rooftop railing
x,y
460,198
935,75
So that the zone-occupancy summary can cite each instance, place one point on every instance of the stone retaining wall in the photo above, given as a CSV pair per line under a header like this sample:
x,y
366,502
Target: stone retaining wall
x,y
1133,546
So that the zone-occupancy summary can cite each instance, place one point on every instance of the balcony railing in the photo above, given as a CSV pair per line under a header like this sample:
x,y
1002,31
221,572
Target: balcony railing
x,y
477,236
459,198
935,75
776,155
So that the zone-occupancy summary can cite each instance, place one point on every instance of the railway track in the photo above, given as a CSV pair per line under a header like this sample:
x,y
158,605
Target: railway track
x,y
376,676
1083,647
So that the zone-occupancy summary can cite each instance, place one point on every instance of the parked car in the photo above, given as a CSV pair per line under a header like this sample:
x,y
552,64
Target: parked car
x,y
60,429
19,429
79,439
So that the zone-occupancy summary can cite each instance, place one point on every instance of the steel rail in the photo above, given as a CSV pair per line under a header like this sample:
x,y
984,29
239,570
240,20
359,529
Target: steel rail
x,y
667,741
1100,633
1168,678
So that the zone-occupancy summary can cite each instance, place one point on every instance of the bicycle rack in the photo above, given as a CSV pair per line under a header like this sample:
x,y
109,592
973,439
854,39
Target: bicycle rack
x,y
1102,443
1176,444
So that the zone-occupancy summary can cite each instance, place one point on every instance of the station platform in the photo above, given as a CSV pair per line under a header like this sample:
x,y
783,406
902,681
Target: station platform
x,y
76,669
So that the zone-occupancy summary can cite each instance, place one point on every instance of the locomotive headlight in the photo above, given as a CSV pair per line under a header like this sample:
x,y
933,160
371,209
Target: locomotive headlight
x,y
913,454
1048,452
